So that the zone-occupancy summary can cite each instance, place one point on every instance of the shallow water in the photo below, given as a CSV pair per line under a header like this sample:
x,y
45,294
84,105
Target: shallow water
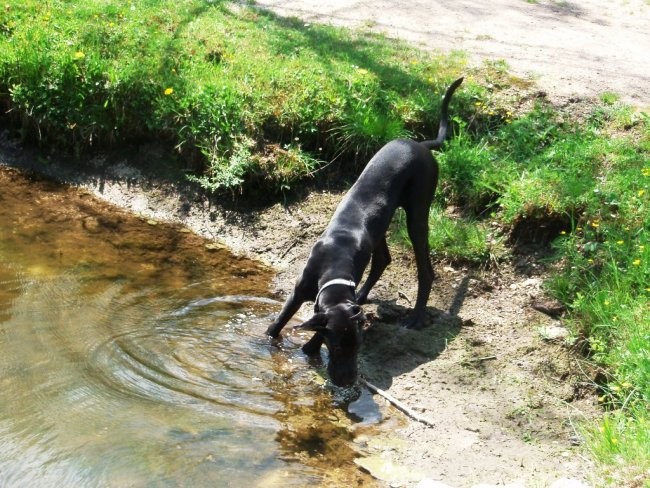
x,y
132,355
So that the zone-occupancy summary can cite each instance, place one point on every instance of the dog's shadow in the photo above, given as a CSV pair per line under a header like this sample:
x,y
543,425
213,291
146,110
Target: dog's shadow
x,y
390,350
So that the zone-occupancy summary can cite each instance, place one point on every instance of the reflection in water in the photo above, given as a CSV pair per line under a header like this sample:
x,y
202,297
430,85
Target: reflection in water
x,y
132,355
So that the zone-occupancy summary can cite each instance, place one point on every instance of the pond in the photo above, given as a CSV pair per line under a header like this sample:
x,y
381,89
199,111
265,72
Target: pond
x,y
132,353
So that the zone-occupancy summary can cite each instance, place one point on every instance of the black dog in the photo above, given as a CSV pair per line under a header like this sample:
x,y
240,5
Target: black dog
x,y
402,174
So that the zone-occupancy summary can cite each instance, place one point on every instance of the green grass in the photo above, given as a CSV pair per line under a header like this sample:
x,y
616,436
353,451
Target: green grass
x,y
456,238
260,102
593,174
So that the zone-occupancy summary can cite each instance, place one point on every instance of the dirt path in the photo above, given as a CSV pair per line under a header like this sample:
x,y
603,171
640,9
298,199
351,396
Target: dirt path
x,y
572,48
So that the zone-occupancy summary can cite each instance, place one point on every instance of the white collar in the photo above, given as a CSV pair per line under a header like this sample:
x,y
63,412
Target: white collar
x,y
337,281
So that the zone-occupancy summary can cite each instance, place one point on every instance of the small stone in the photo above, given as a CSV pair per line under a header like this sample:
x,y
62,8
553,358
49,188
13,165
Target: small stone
x,y
214,246
552,308
387,471
553,332
532,283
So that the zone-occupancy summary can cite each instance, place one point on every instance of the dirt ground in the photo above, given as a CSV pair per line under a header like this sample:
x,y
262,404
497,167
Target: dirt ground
x,y
571,48
492,373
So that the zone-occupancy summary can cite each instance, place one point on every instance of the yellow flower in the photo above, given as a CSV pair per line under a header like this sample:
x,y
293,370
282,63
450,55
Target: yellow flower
x,y
595,224
562,232
641,192
636,262
645,171
79,55
620,243
169,91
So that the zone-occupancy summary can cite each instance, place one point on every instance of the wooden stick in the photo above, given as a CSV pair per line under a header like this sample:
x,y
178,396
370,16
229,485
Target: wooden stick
x,y
399,405
296,241
480,360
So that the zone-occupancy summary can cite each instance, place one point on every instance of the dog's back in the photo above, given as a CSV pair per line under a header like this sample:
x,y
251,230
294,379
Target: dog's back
x,y
401,166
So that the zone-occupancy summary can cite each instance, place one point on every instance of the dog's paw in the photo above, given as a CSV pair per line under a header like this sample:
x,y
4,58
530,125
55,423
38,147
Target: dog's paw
x,y
272,332
414,323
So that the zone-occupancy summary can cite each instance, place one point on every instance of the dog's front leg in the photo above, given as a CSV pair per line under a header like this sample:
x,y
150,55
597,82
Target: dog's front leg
x,y
304,290
312,346
290,307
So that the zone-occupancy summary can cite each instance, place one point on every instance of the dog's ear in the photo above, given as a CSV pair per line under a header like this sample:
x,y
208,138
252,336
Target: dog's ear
x,y
318,323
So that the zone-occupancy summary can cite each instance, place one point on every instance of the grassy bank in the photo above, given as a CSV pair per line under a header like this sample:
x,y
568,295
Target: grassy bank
x,y
258,103
582,185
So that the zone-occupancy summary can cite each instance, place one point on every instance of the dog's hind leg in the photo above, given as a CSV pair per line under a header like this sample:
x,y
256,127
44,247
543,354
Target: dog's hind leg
x,y
418,230
380,260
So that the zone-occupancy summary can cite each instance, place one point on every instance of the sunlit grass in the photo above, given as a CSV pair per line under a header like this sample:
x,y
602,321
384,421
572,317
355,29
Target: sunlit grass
x,y
225,82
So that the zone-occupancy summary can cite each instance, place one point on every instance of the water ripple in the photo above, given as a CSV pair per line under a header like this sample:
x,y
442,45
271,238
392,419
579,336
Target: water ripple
x,y
197,358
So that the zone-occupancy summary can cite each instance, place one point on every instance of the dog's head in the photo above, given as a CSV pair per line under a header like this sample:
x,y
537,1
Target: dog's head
x,y
340,327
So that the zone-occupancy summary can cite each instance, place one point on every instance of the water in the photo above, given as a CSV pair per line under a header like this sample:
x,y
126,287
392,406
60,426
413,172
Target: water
x,y
132,355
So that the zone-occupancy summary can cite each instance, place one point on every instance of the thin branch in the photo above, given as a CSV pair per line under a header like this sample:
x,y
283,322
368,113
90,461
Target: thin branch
x,y
399,405
296,241
480,360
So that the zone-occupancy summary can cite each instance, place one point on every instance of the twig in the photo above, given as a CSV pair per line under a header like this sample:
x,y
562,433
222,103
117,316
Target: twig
x,y
480,360
399,405
403,295
296,241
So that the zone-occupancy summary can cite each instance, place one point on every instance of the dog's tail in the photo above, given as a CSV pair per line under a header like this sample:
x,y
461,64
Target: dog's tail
x,y
444,117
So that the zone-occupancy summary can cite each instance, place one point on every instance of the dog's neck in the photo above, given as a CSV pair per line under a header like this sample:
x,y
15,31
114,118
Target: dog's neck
x,y
334,291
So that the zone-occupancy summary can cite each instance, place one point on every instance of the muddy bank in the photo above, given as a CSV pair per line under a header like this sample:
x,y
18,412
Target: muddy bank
x,y
493,374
